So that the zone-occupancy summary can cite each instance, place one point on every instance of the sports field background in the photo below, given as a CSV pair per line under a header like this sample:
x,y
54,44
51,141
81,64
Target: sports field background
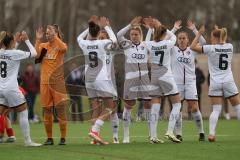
x,y
78,147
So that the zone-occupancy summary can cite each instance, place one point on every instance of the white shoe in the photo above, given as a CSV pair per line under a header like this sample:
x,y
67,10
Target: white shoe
x,y
227,116
115,140
154,140
172,138
126,140
32,144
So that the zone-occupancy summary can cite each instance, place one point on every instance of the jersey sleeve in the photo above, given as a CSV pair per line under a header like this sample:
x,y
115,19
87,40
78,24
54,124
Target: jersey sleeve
x,y
207,49
172,39
18,55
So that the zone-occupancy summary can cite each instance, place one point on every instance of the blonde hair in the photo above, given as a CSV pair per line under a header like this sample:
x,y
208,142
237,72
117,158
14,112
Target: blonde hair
x,y
221,34
139,29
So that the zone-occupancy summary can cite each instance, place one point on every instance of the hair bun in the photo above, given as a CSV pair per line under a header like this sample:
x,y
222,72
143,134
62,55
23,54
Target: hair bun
x,y
91,24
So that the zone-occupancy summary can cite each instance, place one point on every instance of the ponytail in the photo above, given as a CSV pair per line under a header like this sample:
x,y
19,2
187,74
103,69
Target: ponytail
x,y
223,35
6,39
2,36
159,32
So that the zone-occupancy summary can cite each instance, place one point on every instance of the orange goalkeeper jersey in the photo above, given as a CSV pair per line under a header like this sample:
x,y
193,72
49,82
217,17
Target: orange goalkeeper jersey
x,y
52,70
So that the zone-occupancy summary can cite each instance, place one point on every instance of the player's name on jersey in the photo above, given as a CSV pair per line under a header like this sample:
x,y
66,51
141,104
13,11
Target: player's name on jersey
x,y
223,50
159,48
5,57
92,47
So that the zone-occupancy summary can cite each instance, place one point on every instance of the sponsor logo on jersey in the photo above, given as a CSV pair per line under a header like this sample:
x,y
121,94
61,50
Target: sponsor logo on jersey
x,y
184,60
142,47
92,47
138,56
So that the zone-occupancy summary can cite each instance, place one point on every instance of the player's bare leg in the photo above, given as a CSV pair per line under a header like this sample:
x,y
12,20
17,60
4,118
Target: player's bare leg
x,y
108,107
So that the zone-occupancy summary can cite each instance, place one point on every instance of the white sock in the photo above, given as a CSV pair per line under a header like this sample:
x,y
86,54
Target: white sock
x,y
147,113
214,118
197,117
24,124
126,121
237,108
173,117
154,119
97,125
115,124
178,126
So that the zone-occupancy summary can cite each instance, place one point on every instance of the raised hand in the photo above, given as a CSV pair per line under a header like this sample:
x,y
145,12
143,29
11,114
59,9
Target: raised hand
x,y
156,23
24,36
148,22
39,33
17,37
191,25
177,24
202,29
103,22
216,26
136,21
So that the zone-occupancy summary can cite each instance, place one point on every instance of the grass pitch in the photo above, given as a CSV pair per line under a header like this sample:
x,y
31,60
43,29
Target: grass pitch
x,y
78,147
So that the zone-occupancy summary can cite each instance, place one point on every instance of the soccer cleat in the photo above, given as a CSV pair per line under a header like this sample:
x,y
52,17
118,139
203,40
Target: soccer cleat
x,y
49,141
1,140
172,138
95,136
154,140
94,142
115,140
211,138
201,137
11,140
32,144
126,140
62,141
179,137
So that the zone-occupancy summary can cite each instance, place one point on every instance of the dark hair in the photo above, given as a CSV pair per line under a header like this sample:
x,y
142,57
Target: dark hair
x,y
94,29
159,32
6,39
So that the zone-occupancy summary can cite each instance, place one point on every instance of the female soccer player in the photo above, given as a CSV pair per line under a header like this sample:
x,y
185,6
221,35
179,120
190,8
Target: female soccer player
x,y
221,78
111,74
10,95
136,73
98,83
183,68
162,80
52,85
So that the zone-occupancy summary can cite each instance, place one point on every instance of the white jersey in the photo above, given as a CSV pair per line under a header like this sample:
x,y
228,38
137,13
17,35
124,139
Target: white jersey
x,y
183,65
160,52
110,65
10,63
95,56
219,62
136,56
